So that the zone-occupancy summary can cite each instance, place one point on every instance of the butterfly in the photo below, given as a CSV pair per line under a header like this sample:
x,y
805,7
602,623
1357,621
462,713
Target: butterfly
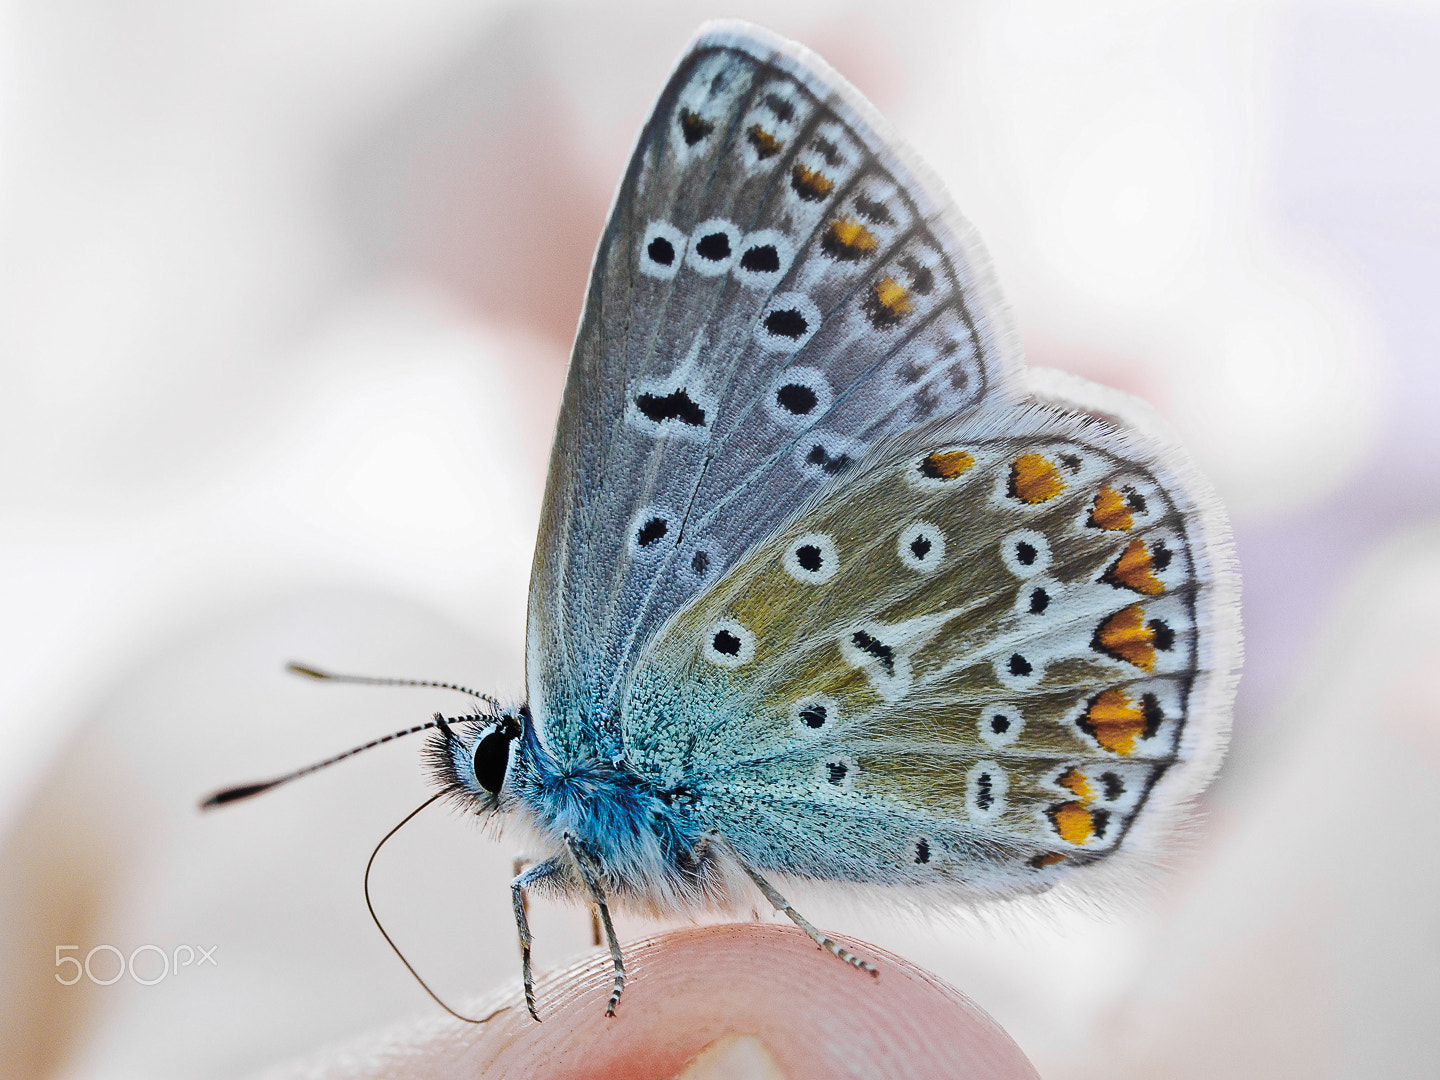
x,y
828,586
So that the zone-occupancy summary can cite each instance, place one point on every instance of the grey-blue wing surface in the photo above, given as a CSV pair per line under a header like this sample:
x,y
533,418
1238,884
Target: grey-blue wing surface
x,y
778,290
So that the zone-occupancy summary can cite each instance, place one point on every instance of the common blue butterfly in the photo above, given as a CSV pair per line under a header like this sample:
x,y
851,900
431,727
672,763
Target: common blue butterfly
x,y
828,586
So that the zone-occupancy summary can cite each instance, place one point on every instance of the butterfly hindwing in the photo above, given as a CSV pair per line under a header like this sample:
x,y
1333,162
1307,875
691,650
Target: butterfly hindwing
x,y
775,294
969,665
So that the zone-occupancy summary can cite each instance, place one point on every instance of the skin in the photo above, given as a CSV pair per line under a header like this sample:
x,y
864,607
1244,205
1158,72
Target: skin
x,y
740,1000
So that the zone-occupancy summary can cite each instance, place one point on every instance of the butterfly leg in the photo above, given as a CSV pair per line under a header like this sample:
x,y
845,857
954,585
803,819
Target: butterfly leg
x,y
518,886
517,868
783,905
588,870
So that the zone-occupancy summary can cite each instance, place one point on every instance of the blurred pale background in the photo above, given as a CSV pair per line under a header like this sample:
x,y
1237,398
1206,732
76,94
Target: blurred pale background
x,y
286,292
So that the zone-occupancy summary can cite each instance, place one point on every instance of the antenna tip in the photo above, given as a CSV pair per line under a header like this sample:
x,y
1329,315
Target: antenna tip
x,y
235,794
309,672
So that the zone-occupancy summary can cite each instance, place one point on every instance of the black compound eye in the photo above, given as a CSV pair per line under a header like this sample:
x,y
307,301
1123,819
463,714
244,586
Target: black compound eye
x,y
492,755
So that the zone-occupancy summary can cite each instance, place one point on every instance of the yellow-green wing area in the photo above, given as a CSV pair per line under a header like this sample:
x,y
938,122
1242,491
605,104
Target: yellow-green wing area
x,y
982,662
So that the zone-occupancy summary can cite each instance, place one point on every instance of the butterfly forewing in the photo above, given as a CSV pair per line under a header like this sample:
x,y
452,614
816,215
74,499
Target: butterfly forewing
x,y
774,294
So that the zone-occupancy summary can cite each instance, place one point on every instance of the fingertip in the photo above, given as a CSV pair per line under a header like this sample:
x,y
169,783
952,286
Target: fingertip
x,y
690,990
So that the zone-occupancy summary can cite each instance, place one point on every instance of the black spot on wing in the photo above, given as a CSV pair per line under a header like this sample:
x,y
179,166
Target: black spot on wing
x,y
876,648
761,259
1114,786
828,150
1160,555
796,398
653,530
787,323
809,557
874,211
922,278
984,791
784,111
694,127
714,247
814,716
829,463
672,406
661,251
1164,635
726,643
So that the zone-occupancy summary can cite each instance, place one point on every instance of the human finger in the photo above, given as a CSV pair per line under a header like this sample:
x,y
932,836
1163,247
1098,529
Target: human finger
x,y
739,1000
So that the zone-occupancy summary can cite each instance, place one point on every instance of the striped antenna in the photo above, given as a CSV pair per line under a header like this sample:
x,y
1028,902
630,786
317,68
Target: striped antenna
x,y
311,672
247,791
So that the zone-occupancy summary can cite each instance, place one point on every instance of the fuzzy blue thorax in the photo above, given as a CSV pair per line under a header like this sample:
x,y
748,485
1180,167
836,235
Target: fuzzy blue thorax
x,y
643,838
641,835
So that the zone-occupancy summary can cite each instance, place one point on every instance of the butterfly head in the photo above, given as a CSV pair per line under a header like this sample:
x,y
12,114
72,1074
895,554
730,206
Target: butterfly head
x,y
475,759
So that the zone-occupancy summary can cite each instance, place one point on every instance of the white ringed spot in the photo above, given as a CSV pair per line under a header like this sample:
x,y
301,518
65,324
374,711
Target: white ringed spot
x,y
921,546
798,396
728,644
714,246
1020,669
1000,725
788,323
1025,553
985,788
811,559
764,258
813,714
661,250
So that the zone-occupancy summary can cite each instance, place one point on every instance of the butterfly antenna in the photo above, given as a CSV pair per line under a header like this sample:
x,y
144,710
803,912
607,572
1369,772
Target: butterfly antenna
x,y
246,791
389,941
369,680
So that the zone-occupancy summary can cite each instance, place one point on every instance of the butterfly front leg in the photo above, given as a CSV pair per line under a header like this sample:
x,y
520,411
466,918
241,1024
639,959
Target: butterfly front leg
x,y
597,936
590,871
549,868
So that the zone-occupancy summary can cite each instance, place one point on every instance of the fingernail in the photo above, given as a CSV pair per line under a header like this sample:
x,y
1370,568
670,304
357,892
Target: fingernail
x,y
734,1057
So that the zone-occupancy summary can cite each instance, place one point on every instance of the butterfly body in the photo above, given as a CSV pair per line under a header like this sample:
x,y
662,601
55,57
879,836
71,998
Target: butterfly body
x,y
642,838
827,584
